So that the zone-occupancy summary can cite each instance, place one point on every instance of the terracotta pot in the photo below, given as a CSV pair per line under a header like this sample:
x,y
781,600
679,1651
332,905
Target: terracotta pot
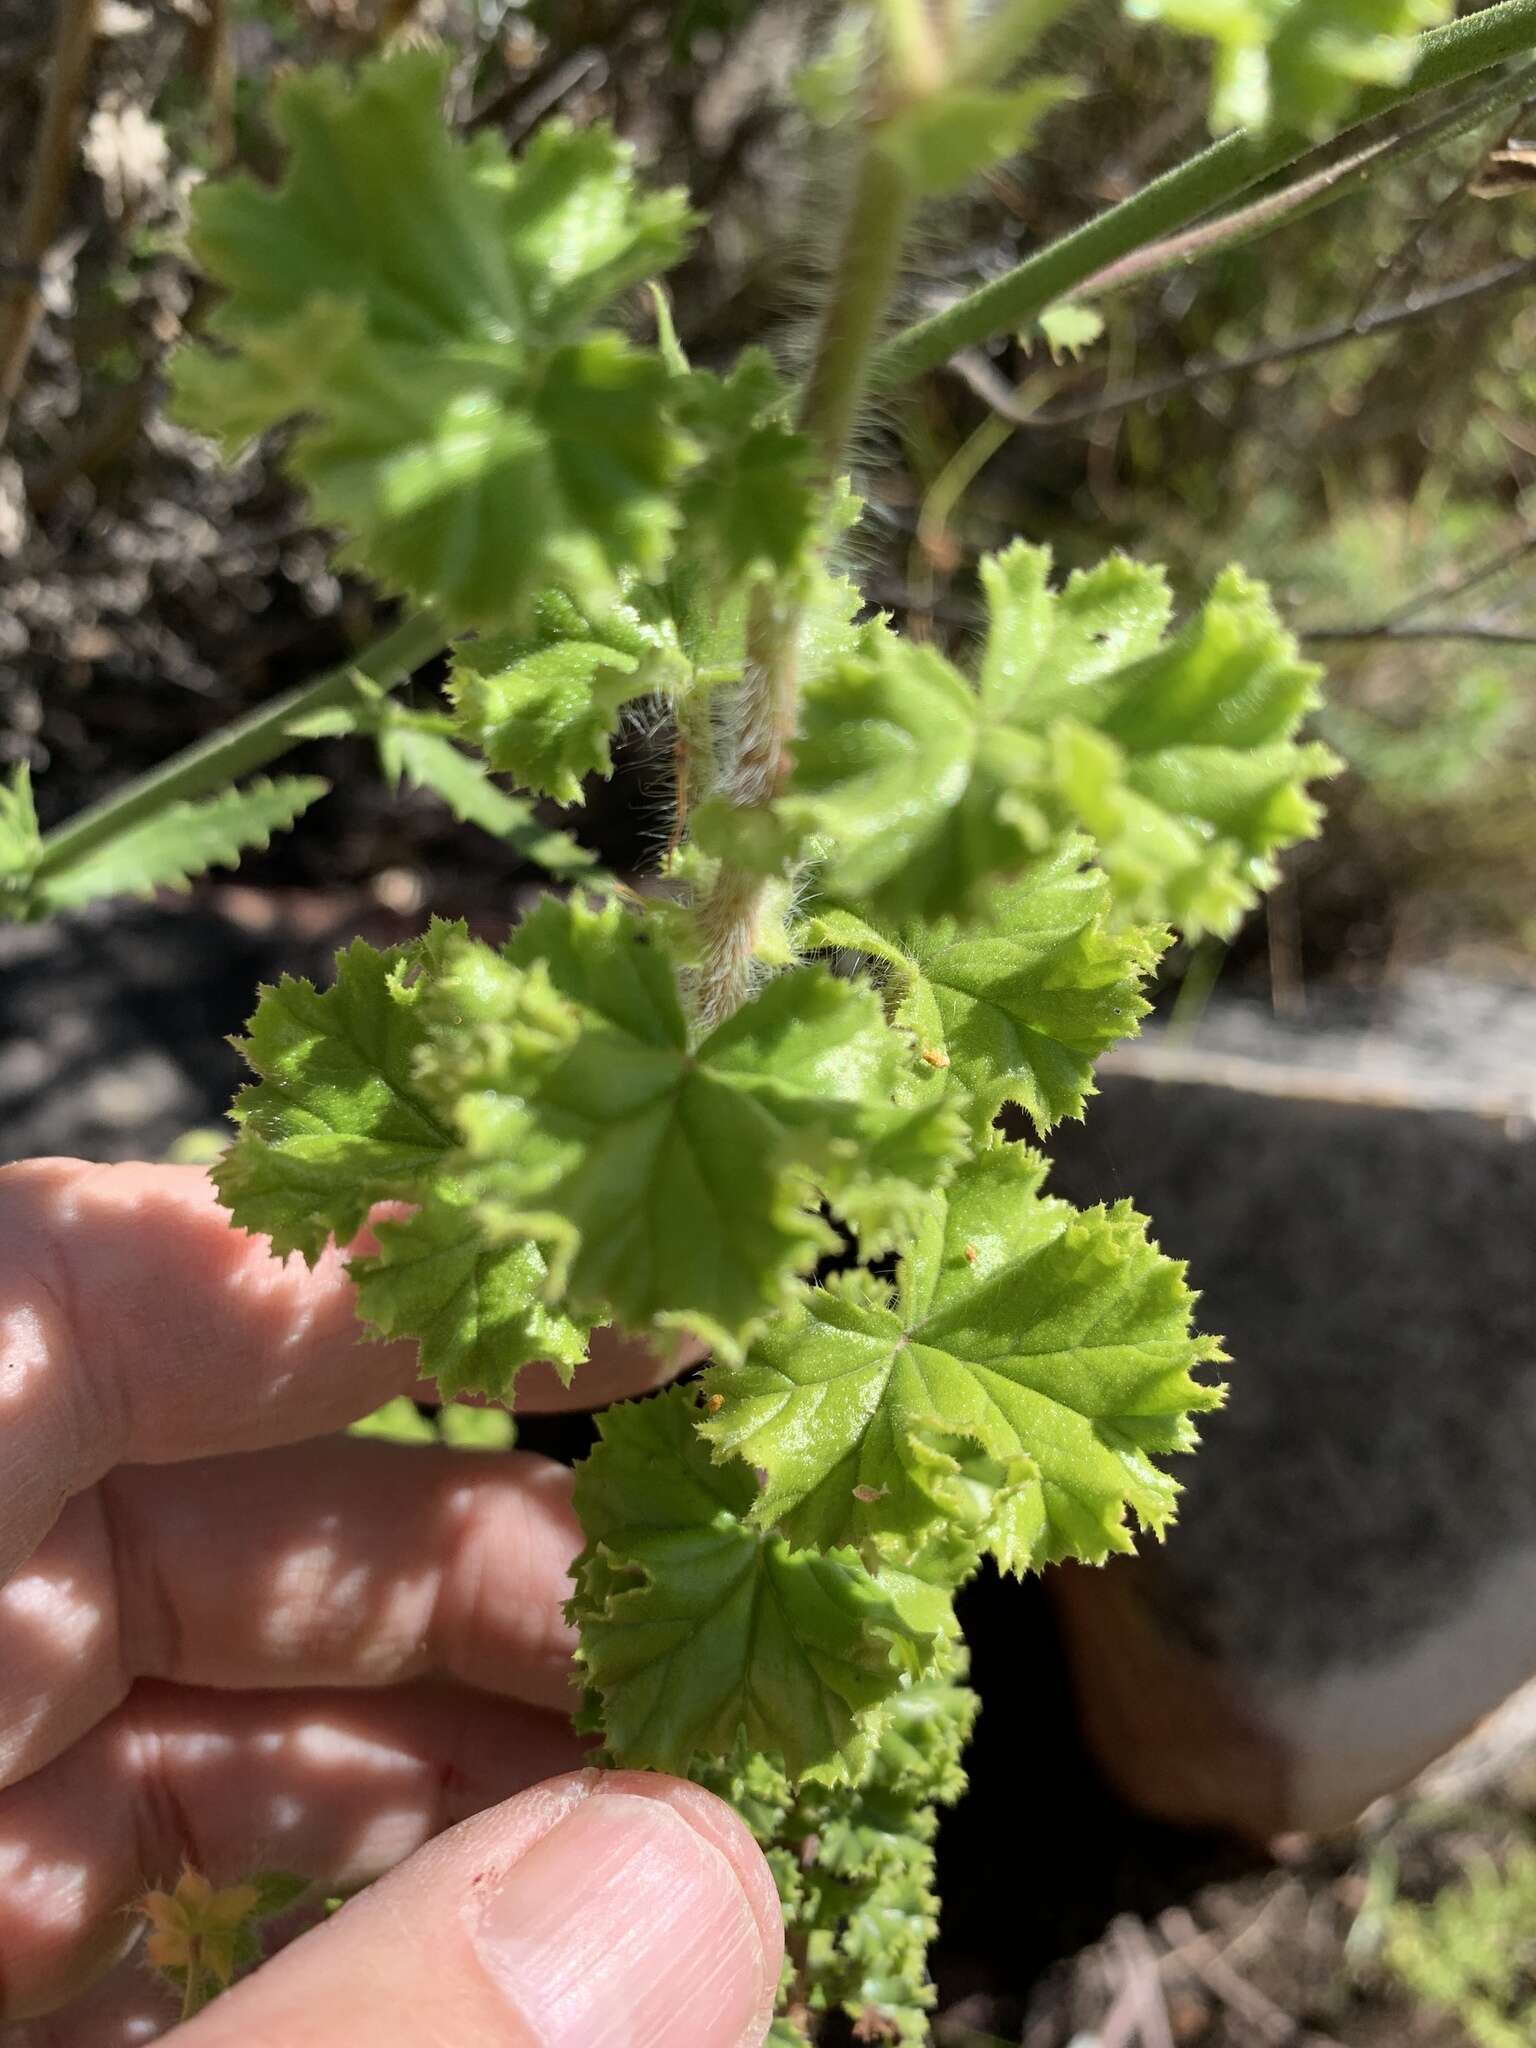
x,y
1351,1585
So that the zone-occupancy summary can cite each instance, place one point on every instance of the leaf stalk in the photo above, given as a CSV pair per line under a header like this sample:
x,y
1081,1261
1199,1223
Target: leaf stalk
x,y
250,743
1171,202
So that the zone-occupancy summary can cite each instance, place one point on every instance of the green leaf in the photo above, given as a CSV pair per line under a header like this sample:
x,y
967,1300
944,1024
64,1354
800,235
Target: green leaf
x,y
950,137
667,1182
422,307
854,1862
827,89
20,843
1185,767
701,1631
476,1429
184,840
544,706
918,788
427,759
751,505
336,1120
1070,329
914,798
277,1891
669,346
1018,1327
1018,1004
1046,652
463,1428
1299,63
477,1305
342,1118
398,1421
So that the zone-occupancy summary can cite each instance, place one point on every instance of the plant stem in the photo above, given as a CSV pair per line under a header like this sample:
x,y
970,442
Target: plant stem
x,y
251,742
1339,178
1211,179
978,372
220,82
867,265
192,1999
53,165
1472,631
754,754
1469,579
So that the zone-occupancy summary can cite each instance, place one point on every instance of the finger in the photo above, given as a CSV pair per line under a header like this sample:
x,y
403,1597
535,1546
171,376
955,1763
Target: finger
x,y
333,1786
606,1910
137,1327
125,2009
331,1563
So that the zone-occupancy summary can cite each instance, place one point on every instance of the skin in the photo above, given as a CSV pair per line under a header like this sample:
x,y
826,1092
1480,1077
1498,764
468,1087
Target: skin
x,y
233,1639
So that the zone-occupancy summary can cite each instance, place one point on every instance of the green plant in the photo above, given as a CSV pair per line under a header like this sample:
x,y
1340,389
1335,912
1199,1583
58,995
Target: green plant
x,y
904,897
1472,1951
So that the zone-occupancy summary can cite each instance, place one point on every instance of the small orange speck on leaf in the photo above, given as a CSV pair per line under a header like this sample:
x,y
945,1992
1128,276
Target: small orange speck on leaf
x,y
934,1057
971,1255
713,1403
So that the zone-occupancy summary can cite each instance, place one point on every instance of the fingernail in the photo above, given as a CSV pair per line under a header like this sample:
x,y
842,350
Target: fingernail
x,y
624,1927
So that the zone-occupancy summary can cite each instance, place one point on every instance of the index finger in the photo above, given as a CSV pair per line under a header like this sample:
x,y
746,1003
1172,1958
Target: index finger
x,y
137,1326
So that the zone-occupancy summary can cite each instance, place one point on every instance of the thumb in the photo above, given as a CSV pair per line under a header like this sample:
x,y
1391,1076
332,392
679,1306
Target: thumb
x,y
608,1909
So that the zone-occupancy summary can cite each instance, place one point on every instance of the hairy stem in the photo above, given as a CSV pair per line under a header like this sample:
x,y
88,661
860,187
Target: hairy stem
x,y
867,261
251,742
754,754
53,165
1207,181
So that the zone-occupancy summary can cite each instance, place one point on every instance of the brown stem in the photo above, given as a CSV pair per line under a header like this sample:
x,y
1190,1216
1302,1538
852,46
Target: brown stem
x,y
1333,180
99,442
211,60
1468,579
53,165
395,17
1473,632
984,380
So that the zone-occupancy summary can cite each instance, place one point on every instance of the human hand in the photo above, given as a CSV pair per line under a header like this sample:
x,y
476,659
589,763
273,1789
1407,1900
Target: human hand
x,y
225,1644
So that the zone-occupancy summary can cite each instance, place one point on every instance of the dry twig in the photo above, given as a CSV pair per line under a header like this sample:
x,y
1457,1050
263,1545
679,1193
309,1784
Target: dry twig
x,y
1304,194
994,389
1479,632
53,165
1470,579
1138,2013
1205,1956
